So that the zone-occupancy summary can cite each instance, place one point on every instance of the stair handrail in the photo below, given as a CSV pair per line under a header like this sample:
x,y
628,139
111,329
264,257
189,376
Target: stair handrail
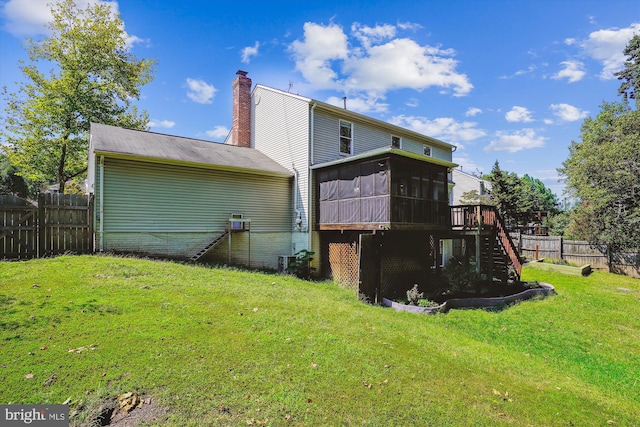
x,y
507,243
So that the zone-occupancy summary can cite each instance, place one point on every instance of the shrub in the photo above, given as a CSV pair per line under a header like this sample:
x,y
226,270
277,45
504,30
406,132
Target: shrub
x,y
427,303
413,296
461,277
301,267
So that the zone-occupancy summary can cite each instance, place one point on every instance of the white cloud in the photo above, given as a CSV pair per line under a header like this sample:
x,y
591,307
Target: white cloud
x,y
200,91
218,132
567,112
412,102
518,114
409,26
249,51
26,17
473,111
570,41
573,71
360,105
513,142
368,35
313,55
607,46
132,40
443,128
466,164
373,61
30,17
403,63
167,124
528,70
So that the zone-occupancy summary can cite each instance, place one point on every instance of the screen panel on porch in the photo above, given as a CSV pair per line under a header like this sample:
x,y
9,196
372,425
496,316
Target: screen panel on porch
x,y
354,193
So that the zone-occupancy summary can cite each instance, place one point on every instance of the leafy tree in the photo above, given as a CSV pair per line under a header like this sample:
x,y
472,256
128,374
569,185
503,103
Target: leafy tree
x,y
10,182
535,196
602,171
94,79
630,75
474,197
558,223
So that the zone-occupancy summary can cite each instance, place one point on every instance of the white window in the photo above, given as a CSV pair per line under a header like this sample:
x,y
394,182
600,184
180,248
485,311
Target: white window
x,y
346,137
396,142
426,150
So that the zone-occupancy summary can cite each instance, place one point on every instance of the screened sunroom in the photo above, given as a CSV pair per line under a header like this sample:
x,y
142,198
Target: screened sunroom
x,y
388,190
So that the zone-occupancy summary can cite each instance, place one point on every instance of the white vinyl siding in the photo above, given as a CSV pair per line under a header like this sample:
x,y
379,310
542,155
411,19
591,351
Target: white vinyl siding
x,y
464,183
175,210
281,131
366,137
414,146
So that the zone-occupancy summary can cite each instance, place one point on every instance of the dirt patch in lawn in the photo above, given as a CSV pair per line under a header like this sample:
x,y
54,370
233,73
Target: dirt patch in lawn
x,y
126,410
148,410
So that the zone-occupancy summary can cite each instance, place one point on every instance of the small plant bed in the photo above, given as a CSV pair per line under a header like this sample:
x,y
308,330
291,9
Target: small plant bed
x,y
498,297
560,266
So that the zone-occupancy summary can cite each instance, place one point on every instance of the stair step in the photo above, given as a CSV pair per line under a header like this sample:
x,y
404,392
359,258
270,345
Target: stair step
x,y
210,246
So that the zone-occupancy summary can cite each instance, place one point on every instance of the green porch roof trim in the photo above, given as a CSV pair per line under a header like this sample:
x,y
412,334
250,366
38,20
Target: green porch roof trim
x,y
382,151
116,142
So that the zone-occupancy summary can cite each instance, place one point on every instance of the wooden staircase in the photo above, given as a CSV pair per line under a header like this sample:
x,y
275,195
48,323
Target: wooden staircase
x,y
498,255
215,242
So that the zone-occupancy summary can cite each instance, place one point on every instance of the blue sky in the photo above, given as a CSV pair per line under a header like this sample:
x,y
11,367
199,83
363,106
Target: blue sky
x,y
502,80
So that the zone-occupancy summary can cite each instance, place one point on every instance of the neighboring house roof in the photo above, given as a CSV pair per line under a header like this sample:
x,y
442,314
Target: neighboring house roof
x,y
385,150
361,117
117,142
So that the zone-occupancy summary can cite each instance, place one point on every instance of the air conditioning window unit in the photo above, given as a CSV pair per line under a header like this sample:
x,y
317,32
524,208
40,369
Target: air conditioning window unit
x,y
284,262
236,225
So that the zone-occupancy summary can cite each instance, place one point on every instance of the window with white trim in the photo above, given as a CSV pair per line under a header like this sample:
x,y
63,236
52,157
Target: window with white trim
x,y
426,150
346,137
396,141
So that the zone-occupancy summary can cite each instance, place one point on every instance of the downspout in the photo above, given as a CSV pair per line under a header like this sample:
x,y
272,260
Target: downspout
x,y
298,220
101,229
309,177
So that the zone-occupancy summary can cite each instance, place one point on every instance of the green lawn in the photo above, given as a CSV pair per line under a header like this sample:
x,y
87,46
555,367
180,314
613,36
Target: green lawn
x,y
229,347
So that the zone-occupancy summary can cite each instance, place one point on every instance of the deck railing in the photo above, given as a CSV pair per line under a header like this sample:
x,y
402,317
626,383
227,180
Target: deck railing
x,y
473,216
479,217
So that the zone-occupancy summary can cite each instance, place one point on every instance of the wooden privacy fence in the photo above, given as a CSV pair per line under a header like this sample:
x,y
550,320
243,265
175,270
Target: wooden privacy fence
x,y
56,224
579,252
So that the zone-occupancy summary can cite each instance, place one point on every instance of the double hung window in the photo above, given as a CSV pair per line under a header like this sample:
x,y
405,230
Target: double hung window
x,y
346,138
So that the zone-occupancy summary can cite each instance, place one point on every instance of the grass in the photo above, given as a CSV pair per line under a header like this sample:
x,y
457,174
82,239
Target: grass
x,y
229,347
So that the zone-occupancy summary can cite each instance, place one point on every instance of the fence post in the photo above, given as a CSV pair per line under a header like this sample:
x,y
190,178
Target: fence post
x,y
561,247
41,227
90,241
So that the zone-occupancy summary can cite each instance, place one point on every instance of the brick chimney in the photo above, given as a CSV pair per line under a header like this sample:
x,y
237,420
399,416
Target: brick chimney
x,y
241,118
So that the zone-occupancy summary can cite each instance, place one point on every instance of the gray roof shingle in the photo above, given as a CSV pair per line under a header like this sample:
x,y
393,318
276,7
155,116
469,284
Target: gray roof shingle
x,y
127,143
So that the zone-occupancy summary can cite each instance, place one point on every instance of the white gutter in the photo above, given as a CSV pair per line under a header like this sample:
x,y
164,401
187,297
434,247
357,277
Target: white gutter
x,y
311,137
101,229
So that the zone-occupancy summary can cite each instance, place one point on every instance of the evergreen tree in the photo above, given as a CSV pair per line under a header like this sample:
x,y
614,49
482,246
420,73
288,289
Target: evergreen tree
x,y
630,75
